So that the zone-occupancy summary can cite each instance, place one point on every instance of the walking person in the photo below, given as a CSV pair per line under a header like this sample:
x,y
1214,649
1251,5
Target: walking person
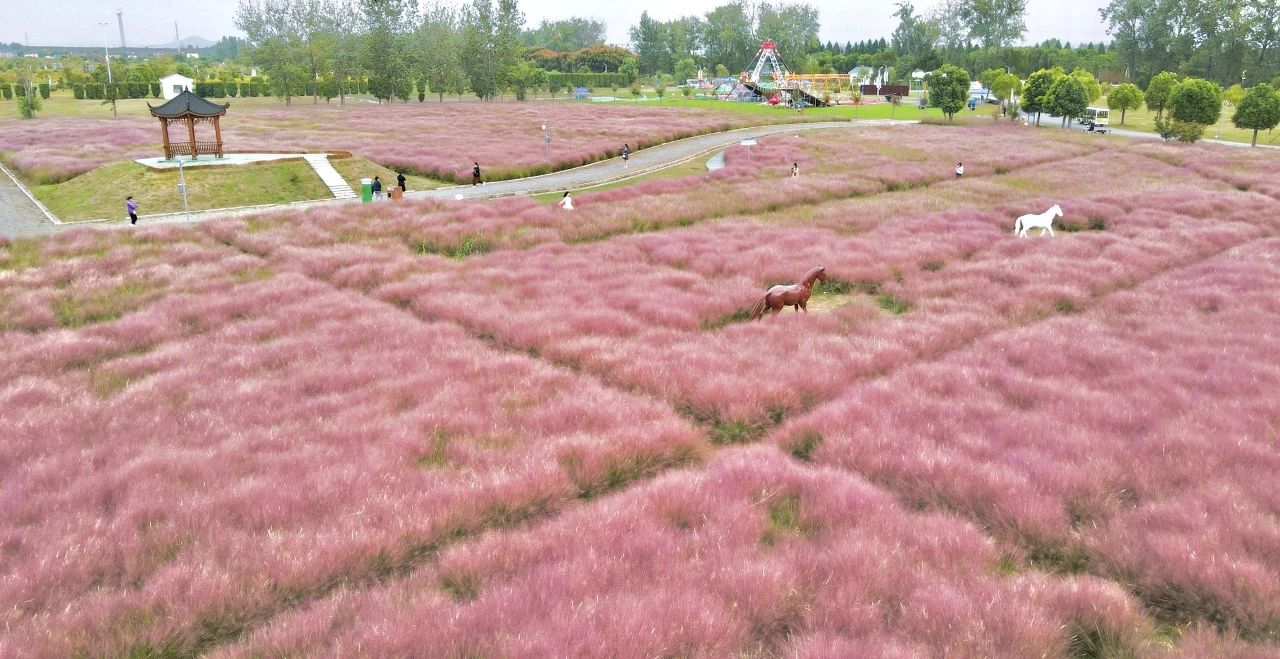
x,y
400,182
795,169
475,174
566,202
626,155
959,169
131,207
377,187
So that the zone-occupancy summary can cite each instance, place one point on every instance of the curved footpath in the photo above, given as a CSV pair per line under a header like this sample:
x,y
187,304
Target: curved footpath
x,y
19,219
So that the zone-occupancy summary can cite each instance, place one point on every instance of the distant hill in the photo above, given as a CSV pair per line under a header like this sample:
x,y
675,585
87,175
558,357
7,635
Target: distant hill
x,y
187,43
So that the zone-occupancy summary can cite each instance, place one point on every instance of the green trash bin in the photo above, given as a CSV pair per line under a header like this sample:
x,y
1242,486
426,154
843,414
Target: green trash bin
x,y
366,190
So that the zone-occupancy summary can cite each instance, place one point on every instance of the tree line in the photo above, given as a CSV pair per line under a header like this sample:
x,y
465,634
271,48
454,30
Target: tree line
x,y
481,47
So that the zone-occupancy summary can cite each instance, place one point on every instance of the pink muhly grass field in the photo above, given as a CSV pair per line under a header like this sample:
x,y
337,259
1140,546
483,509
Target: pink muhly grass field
x,y
437,140
305,439
1091,443
500,429
755,554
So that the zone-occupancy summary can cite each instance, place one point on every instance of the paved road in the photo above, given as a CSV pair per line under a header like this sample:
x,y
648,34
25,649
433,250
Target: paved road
x,y
17,221
644,161
18,215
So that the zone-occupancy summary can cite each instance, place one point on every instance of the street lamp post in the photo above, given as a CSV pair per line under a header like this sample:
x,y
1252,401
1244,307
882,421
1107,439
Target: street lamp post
x,y
106,57
546,143
182,187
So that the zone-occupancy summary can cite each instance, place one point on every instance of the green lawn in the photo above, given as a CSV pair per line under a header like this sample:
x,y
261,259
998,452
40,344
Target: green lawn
x,y
100,193
1145,120
355,168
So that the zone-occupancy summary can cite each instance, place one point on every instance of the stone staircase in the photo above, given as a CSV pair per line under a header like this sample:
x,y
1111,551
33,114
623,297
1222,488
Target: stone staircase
x,y
336,184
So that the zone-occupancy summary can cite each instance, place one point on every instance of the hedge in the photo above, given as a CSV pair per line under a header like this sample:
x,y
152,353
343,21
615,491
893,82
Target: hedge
x,y
6,90
78,91
44,90
155,90
20,90
590,80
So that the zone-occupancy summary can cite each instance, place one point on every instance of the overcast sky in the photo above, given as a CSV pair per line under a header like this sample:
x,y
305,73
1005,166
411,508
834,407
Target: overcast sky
x,y
75,22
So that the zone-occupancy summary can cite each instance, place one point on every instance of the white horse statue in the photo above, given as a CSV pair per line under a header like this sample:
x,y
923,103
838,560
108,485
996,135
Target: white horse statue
x,y
1043,221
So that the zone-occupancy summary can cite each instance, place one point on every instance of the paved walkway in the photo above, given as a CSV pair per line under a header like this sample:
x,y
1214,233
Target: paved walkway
x,y
332,179
19,222
19,216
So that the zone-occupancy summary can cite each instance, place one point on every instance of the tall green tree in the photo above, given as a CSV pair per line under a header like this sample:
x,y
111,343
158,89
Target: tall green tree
x,y
1035,95
728,36
309,21
995,23
344,47
914,37
685,70
1067,98
1005,87
491,45
508,24
479,56
384,52
948,89
988,76
1158,91
948,18
1092,88
648,37
792,26
1196,101
1125,97
1258,110
274,45
565,35
437,44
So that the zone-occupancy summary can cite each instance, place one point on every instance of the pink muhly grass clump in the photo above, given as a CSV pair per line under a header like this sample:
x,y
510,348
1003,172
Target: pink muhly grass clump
x,y
754,552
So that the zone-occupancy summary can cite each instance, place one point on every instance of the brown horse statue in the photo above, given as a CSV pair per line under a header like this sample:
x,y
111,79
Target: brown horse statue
x,y
795,295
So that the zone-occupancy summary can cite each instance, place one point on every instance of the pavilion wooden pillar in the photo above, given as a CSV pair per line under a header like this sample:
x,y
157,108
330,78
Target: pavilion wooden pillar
x,y
217,132
164,129
191,132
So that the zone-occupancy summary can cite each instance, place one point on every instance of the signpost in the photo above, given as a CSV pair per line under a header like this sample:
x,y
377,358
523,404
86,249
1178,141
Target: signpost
x,y
749,142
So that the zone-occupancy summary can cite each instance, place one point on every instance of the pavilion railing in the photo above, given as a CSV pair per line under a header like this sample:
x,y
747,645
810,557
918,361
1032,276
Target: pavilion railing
x,y
184,149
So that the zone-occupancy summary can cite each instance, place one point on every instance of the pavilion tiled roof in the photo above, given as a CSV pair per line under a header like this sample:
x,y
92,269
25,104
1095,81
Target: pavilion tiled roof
x,y
185,104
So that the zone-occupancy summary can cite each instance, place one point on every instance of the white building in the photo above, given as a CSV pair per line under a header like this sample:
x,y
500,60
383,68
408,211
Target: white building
x,y
174,84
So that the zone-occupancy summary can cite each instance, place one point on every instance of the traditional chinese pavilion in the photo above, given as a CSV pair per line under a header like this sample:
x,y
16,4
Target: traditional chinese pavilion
x,y
189,109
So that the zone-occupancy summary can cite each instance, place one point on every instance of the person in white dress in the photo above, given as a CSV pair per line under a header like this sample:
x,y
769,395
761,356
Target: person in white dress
x,y
566,202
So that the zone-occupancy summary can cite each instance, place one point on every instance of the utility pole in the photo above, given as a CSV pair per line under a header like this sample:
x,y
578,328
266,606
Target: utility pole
x,y
106,57
177,40
120,21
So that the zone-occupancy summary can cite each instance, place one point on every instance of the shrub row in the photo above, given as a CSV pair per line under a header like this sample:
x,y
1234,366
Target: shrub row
x,y
9,90
591,80
98,91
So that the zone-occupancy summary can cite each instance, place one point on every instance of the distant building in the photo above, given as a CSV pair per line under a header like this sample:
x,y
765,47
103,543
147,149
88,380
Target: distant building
x,y
174,84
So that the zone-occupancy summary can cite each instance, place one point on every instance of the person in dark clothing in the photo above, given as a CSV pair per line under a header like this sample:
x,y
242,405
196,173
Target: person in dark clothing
x,y
377,187
400,182
131,207
626,154
475,174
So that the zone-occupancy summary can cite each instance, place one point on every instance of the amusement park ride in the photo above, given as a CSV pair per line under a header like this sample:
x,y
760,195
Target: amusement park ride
x,y
769,78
